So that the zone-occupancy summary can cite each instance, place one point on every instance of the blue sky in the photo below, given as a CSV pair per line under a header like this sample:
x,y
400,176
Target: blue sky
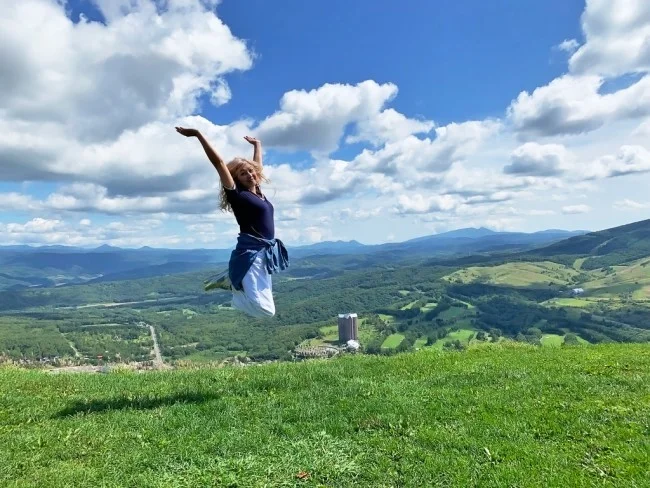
x,y
381,120
436,52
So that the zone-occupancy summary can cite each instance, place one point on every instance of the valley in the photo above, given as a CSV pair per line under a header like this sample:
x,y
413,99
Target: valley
x,y
441,303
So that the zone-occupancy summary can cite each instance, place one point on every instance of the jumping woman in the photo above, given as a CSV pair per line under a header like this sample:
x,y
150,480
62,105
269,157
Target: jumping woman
x,y
258,253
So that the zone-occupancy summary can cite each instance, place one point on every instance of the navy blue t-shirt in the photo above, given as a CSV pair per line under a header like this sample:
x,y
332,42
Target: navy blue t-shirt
x,y
254,213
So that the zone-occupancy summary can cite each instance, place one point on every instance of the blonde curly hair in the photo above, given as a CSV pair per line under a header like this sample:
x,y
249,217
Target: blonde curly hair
x,y
233,167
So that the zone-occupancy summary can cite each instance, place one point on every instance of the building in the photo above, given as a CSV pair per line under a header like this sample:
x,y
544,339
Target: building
x,y
577,291
348,328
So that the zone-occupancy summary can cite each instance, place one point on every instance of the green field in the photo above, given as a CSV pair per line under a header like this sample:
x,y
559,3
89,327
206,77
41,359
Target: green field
x,y
462,335
429,306
512,415
515,274
553,340
409,305
570,302
392,341
420,343
633,278
455,313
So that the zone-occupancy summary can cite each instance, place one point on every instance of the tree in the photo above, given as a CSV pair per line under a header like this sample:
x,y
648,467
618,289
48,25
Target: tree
x,y
571,339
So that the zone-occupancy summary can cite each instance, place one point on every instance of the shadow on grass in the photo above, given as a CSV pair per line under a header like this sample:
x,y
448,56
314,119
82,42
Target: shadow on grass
x,y
134,402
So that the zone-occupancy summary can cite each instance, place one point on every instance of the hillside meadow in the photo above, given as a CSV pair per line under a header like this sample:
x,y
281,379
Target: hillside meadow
x,y
506,414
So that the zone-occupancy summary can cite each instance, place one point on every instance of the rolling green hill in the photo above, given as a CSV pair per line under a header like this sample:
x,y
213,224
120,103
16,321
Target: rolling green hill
x,y
503,415
608,247
405,304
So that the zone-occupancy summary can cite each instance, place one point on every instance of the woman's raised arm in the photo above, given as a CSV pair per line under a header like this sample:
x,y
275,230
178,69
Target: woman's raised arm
x,y
226,178
257,149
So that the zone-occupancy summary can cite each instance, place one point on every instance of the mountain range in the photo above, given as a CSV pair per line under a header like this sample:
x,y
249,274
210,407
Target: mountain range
x,y
44,266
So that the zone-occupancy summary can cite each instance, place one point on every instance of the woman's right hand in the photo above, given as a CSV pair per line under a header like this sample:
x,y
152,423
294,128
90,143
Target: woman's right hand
x,y
187,132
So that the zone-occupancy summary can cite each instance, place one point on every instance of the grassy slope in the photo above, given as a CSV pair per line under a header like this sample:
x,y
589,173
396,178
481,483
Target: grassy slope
x,y
633,278
500,416
516,274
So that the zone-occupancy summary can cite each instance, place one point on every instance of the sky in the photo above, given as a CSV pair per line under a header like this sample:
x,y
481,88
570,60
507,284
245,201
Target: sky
x,y
380,120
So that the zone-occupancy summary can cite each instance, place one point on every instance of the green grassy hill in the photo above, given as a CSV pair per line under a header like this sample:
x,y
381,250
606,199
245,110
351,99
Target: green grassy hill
x,y
605,248
501,415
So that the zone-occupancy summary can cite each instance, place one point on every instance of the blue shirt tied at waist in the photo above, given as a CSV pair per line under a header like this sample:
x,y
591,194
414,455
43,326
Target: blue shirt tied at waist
x,y
247,249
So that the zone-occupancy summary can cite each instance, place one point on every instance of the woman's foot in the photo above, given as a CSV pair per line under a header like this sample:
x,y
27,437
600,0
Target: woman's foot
x,y
222,283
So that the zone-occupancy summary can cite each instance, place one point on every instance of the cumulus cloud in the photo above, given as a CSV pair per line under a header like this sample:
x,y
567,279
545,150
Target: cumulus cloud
x,y
419,204
41,231
289,214
86,197
573,105
98,80
413,158
617,36
617,42
13,201
569,45
359,213
576,209
538,160
629,160
91,106
388,126
97,102
627,204
315,120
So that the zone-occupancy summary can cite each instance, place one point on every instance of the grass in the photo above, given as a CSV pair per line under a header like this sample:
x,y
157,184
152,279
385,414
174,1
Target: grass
x,y
516,274
510,415
429,306
455,313
420,343
553,340
392,341
409,305
462,335
633,278
570,302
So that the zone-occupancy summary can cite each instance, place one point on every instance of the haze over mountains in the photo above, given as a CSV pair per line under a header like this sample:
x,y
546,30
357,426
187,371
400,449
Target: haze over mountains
x,y
27,266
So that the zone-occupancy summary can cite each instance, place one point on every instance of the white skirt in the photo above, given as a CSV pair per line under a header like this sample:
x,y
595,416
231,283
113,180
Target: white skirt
x,y
256,299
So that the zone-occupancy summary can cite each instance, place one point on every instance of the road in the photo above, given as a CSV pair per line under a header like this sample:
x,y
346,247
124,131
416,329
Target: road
x,y
158,362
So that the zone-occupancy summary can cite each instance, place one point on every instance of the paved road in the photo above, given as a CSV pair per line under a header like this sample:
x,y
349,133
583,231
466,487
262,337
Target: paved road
x,y
158,362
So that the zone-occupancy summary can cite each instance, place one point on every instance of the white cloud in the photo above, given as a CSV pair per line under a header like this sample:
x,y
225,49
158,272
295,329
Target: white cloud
x,y
574,105
95,80
414,159
627,204
97,103
569,45
133,233
643,130
419,204
118,154
535,159
18,202
358,213
629,160
315,120
576,209
289,214
617,36
36,225
389,126
617,43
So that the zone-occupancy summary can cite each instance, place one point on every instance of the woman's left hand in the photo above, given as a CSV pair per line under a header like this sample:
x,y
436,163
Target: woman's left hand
x,y
252,140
